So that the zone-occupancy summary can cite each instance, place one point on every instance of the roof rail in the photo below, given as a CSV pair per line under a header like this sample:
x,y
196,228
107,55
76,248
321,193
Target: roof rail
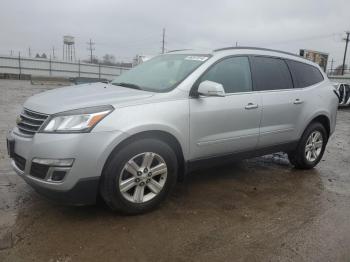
x,y
256,48
177,50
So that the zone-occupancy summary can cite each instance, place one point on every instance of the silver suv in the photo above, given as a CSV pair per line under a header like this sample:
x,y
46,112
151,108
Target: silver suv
x,y
129,141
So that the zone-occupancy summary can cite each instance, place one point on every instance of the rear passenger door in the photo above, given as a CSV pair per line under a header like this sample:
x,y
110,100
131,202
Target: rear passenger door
x,y
282,104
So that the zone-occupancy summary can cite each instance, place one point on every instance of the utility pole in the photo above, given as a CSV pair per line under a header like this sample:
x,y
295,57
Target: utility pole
x,y
53,52
19,65
29,52
91,44
346,48
332,61
163,41
11,52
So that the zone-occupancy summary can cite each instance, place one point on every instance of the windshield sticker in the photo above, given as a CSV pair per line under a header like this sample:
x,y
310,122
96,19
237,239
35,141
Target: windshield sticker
x,y
196,58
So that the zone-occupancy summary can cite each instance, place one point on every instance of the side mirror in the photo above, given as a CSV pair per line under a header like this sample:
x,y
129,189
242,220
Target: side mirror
x,y
210,88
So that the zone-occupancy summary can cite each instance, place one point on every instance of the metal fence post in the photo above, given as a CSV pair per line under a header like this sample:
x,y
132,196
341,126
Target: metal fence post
x,y
19,65
79,68
50,69
99,71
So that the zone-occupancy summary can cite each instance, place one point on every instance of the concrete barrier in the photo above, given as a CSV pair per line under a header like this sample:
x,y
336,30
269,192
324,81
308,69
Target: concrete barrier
x,y
45,80
11,65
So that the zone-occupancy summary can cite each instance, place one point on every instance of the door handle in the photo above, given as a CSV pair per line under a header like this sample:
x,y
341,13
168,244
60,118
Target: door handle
x,y
251,106
297,101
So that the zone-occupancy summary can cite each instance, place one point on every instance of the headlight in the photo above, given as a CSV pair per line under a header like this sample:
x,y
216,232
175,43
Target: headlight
x,y
76,121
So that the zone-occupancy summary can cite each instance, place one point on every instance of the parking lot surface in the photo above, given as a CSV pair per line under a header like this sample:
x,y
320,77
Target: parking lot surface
x,y
254,210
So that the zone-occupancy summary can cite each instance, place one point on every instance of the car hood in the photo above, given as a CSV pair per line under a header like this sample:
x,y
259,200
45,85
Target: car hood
x,y
81,96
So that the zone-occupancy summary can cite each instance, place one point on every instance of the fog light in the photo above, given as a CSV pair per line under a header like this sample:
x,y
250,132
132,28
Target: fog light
x,y
54,162
58,175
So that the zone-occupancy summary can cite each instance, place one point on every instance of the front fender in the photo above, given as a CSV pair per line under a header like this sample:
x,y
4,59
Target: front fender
x,y
171,130
171,117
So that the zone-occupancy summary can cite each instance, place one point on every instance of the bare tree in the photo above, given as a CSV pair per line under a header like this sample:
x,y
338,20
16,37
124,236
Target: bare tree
x,y
93,60
338,69
108,59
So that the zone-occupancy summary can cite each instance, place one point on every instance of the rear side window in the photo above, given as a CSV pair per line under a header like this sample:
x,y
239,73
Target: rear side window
x,y
233,73
270,74
303,74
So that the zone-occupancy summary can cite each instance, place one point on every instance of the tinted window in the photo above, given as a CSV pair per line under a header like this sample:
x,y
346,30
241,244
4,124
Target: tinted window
x,y
233,73
270,74
303,74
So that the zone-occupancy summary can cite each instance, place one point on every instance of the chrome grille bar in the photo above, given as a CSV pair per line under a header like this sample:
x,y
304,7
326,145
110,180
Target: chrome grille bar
x,y
30,121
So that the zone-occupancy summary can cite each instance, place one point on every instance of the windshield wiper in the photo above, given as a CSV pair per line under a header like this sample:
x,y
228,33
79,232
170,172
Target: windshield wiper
x,y
129,85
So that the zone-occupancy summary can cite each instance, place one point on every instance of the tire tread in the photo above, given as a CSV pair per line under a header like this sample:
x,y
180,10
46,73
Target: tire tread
x,y
108,190
297,157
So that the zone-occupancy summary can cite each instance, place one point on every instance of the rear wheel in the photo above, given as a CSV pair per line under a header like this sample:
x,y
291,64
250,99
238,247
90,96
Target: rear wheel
x,y
139,176
310,148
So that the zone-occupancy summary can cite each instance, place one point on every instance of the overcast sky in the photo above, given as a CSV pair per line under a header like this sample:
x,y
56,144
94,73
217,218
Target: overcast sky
x,y
130,27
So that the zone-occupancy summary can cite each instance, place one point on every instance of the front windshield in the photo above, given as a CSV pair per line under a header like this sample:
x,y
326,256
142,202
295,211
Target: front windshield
x,y
161,73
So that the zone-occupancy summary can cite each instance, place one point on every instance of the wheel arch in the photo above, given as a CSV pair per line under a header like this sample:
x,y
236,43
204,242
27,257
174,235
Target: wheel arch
x,y
164,136
323,119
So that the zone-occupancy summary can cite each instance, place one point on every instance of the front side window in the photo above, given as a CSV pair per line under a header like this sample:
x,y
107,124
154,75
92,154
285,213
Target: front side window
x,y
233,73
303,74
162,73
270,74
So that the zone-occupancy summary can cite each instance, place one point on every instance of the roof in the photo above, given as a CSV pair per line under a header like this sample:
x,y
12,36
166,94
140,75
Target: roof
x,y
254,48
231,48
250,50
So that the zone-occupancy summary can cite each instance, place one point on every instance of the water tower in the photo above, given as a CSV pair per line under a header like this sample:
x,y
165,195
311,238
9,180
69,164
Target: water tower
x,y
68,48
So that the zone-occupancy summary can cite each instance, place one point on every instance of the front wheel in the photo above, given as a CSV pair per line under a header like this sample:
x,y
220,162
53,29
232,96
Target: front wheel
x,y
139,176
310,148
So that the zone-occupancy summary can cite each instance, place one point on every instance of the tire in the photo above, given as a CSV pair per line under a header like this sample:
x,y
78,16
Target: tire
x,y
121,168
299,158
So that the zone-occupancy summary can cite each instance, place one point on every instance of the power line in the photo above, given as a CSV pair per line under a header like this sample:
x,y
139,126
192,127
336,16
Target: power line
x,y
130,44
132,40
301,39
91,48
346,48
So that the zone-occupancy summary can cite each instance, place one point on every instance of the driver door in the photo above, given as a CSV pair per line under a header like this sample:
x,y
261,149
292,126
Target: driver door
x,y
223,125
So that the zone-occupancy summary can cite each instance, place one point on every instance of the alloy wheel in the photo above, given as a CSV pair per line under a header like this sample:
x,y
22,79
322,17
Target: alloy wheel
x,y
143,177
313,146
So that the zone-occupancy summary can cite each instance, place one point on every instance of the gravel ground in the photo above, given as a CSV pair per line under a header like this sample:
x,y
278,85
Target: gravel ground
x,y
255,210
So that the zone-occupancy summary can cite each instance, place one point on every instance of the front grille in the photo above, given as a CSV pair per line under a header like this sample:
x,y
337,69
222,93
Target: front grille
x,y
30,122
19,161
39,170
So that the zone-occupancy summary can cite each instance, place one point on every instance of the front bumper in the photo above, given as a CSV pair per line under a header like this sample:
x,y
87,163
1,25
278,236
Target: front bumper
x,y
83,193
89,151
